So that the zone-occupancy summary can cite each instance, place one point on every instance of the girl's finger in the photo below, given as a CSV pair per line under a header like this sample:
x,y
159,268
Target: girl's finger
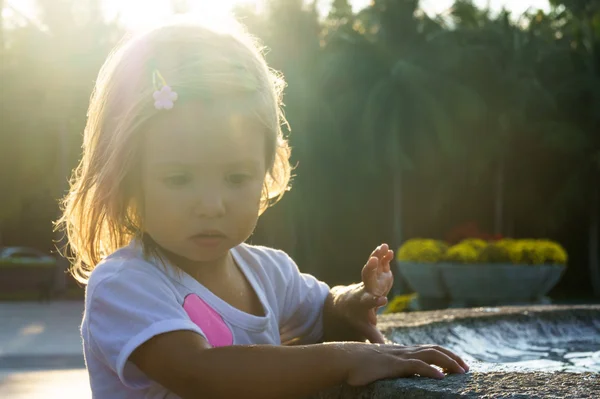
x,y
433,356
390,254
370,267
389,257
451,354
375,252
380,251
410,367
383,250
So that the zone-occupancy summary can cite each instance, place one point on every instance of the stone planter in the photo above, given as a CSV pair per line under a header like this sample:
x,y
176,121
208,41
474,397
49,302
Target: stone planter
x,y
506,283
462,285
424,278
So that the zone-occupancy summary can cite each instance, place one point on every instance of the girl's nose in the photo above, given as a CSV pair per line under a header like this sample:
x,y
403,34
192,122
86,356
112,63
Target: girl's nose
x,y
209,205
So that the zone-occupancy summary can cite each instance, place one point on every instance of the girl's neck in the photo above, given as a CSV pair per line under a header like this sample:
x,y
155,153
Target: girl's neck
x,y
219,269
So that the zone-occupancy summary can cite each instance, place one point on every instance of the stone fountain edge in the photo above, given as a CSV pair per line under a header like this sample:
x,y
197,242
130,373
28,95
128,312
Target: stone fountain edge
x,y
514,385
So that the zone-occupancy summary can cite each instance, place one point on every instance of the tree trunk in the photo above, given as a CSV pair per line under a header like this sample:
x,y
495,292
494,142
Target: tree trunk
x,y
510,223
397,209
400,286
499,197
594,237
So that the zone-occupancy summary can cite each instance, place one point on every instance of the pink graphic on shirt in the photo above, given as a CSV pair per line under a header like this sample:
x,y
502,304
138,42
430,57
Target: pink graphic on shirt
x,y
209,321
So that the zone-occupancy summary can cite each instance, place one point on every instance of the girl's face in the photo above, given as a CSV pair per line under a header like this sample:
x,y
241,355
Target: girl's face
x,y
202,178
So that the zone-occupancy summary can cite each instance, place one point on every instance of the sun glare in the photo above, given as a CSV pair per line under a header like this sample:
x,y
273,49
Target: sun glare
x,y
140,14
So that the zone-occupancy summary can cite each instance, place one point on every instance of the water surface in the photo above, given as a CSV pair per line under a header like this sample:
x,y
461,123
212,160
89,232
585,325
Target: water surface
x,y
568,343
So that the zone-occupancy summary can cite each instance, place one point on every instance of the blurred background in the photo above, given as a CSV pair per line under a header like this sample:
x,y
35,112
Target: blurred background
x,y
431,120
409,119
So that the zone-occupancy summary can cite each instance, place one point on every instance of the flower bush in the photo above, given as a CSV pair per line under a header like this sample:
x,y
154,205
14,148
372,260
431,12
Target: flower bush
x,y
400,303
495,253
422,251
476,243
535,252
463,252
474,250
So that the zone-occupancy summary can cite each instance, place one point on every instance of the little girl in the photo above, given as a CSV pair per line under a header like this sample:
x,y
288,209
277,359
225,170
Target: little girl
x,y
182,152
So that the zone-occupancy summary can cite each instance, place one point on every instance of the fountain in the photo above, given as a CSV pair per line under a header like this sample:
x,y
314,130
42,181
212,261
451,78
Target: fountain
x,y
514,352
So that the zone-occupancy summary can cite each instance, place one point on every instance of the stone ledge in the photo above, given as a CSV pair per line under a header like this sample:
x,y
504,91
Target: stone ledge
x,y
476,384
415,319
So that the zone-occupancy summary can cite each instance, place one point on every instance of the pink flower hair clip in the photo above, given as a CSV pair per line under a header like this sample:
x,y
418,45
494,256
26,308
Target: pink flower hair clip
x,y
164,96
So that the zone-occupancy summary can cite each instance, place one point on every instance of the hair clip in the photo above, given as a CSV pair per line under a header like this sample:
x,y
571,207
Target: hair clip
x,y
164,96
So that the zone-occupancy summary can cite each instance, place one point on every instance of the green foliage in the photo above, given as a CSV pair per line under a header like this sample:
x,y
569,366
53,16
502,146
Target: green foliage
x,y
494,253
400,303
404,116
47,74
476,251
422,251
476,243
535,252
462,253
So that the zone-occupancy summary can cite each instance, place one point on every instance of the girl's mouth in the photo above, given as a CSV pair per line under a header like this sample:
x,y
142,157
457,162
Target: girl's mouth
x,y
208,239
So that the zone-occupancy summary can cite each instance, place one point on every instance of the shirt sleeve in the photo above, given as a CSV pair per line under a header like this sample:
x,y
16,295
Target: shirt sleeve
x,y
301,319
125,310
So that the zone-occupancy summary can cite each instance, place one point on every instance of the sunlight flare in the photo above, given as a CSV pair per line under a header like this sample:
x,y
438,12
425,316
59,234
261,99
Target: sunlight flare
x,y
141,14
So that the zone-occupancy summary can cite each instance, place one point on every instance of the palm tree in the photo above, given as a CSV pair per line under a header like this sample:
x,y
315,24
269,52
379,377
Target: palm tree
x,y
581,28
379,72
500,60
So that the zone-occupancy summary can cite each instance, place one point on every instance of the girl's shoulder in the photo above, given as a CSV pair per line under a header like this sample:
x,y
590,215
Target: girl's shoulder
x,y
123,259
123,268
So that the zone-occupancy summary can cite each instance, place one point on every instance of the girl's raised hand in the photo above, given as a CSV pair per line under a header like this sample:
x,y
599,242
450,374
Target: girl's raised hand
x,y
378,278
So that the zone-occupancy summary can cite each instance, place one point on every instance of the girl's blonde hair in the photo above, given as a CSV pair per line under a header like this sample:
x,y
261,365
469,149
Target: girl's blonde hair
x,y
99,212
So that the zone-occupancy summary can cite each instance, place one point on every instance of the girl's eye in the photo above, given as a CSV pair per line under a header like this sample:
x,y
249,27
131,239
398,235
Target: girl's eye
x,y
238,178
177,180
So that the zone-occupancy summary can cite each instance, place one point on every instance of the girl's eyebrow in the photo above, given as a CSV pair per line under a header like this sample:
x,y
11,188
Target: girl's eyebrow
x,y
250,163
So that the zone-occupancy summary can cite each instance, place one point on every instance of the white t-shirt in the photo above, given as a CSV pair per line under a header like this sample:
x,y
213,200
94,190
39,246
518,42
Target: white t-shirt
x,y
129,300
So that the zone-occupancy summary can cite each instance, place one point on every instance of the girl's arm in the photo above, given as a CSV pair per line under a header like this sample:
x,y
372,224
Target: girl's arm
x,y
184,363
344,315
349,312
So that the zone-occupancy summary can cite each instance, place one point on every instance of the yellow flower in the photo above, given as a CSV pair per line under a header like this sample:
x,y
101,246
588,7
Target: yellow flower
x,y
552,252
399,303
421,250
523,251
476,243
462,253
537,252
495,253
